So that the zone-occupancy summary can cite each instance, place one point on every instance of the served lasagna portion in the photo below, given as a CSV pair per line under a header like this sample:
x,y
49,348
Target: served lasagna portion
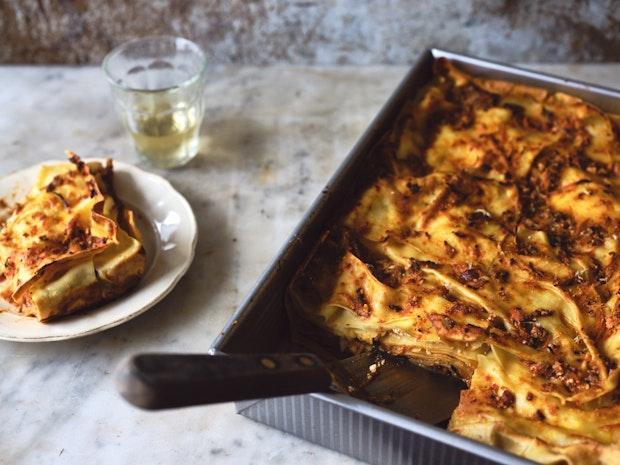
x,y
70,244
488,248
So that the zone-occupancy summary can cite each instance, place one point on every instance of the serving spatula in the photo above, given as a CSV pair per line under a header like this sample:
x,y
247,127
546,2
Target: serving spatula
x,y
160,381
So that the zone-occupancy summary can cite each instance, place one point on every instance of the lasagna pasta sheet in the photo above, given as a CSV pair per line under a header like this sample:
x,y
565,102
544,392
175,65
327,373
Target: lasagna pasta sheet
x,y
489,249
69,244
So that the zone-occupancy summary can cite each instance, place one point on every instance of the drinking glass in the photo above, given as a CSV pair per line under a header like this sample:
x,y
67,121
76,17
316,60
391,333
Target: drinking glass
x,y
158,83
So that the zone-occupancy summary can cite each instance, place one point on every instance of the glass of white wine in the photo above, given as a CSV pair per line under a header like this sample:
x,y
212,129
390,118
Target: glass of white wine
x,y
158,85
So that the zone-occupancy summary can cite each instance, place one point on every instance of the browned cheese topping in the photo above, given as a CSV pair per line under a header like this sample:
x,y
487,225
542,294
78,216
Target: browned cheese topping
x,y
69,244
488,245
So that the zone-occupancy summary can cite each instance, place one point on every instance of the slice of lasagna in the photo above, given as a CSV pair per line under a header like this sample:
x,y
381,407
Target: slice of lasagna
x,y
489,249
70,244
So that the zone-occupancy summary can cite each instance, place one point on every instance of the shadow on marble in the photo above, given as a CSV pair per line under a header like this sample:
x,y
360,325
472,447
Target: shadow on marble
x,y
230,144
189,302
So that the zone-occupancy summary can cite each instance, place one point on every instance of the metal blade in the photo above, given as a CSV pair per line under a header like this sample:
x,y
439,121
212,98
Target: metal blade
x,y
398,385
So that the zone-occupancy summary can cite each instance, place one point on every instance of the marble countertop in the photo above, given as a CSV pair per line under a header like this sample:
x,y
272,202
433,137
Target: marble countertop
x,y
272,137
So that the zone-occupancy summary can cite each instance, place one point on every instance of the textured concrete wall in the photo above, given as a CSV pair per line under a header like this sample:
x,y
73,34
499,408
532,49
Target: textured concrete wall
x,y
315,31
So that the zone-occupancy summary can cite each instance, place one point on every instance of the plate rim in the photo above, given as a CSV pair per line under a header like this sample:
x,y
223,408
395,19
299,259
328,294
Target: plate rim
x,y
182,270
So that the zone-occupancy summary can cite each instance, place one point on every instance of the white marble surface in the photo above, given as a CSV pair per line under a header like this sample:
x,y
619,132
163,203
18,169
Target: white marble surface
x,y
272,138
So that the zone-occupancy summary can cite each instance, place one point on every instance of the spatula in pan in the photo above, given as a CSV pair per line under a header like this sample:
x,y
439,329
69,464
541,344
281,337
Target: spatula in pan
x,y
160,381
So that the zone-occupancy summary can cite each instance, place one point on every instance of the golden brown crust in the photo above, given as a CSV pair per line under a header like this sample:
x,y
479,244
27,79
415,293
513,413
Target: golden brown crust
x,y
66,246
490,247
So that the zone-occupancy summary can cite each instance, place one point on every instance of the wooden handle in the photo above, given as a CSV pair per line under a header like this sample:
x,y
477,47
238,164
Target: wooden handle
x,y
160,381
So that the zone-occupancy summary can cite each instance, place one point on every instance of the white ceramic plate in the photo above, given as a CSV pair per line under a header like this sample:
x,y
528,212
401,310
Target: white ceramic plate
x,y
168,225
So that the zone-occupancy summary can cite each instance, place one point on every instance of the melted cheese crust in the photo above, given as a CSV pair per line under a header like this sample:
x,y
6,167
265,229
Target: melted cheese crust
x,y
69,244
489,249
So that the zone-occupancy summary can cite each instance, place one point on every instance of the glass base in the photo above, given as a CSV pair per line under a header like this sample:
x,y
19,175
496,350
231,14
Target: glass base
x,y
167,164
173,158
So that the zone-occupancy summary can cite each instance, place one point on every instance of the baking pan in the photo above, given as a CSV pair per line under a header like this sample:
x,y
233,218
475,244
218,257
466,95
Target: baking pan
x,y
352,426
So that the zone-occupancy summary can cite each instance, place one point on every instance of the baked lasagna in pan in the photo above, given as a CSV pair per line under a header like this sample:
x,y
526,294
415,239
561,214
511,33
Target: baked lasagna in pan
x,y
69,244
488,248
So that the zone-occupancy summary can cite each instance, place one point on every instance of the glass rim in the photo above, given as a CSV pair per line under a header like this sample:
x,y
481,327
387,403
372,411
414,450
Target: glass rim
x,y
186,83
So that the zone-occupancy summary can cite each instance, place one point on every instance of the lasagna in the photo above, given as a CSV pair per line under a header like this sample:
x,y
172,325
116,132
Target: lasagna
x,y
488,248
69,244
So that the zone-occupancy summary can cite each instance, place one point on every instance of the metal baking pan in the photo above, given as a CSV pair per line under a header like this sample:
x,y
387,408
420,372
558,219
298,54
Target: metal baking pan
x,y
260,325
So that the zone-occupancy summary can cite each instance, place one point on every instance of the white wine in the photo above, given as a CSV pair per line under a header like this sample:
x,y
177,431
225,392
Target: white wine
x,y
166,136
158,85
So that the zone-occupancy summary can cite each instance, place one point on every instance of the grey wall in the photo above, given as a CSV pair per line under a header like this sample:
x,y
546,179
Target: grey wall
x,y
315,31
